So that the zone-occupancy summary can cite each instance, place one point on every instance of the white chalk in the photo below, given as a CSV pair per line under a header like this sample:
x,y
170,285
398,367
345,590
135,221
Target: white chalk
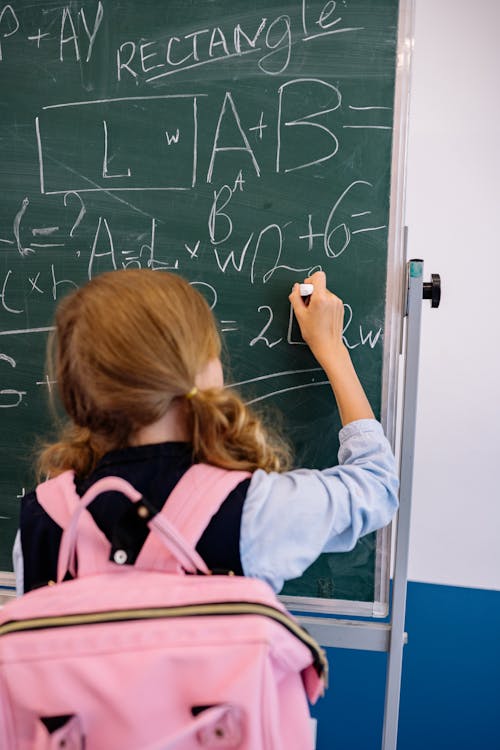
x,y
306,289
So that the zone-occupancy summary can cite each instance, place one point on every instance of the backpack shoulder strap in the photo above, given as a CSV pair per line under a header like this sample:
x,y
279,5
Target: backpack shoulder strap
x,y
190,506
58,498
198,496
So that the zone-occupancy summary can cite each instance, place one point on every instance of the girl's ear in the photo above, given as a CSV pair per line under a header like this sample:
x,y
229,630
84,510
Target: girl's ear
x,y
211,376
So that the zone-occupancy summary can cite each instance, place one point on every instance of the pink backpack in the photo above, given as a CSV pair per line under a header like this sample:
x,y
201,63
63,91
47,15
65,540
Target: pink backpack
x,y
152,656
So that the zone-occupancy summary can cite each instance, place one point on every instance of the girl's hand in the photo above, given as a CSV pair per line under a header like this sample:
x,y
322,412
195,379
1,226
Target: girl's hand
x,y
320,317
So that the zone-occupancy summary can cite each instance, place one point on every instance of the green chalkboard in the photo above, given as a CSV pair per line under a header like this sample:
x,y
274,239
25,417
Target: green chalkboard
x,y
239,144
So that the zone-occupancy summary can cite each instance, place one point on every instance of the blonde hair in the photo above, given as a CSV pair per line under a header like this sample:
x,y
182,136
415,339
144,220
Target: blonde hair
x,y
125,346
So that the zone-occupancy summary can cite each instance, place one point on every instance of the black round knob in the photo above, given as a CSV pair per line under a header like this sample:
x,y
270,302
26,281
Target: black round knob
x,y
432,290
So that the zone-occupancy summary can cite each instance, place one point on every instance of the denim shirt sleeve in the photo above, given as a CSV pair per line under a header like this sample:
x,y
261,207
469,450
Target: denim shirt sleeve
x,y
289,519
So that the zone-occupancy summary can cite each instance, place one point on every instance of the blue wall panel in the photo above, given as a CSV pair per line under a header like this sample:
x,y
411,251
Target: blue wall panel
x,y
450,697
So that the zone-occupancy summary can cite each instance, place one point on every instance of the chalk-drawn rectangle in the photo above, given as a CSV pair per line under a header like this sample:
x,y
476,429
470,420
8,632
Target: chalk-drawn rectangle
x,y
106,145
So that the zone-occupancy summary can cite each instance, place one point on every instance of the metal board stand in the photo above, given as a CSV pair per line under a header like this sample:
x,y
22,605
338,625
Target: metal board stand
x,y
409,412
371,635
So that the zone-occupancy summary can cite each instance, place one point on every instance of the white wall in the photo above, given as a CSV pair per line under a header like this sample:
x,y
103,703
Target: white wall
x,y
453,215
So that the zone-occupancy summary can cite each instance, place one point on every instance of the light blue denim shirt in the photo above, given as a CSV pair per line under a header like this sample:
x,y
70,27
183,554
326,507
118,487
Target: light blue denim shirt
x,y
290,519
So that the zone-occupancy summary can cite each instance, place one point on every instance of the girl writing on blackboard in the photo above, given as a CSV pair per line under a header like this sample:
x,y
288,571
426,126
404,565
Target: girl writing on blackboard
x,y
137,362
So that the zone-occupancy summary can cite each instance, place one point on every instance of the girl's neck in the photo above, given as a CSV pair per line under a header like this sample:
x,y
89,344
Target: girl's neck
x,y
172,427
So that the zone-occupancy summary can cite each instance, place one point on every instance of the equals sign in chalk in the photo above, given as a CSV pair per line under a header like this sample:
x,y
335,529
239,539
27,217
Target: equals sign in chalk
x,y
228,323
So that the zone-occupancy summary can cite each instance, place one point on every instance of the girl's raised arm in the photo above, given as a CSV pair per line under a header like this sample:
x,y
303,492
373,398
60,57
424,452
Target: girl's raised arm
x,y
321,321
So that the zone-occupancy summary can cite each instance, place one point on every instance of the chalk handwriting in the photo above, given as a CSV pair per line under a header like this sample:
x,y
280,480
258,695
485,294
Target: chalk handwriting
x,y
365,337
81,212
172,137
244,145
108,252
3,295
228,326
34,284
69,34
73,44
16,228
207,46
10,397
193,251
208,291
233,157
9,25
105,172
336,237
306,121
47,382
327,22
315,130
38,37
259,129
260,336
221,199
278,37
269,243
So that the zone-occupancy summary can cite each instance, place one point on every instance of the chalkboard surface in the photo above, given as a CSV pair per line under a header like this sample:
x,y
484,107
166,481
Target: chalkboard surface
x,y
239,144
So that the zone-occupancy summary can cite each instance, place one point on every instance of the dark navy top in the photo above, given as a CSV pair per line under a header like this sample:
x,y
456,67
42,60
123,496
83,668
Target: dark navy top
x,y
153,470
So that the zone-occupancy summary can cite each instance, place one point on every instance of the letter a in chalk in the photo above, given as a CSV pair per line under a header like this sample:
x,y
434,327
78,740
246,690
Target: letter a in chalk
x,y
95,255
8,26
216,148
73,37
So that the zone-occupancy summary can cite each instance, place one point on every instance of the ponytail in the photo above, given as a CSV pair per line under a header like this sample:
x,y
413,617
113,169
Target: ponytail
x,y
129,343
226,433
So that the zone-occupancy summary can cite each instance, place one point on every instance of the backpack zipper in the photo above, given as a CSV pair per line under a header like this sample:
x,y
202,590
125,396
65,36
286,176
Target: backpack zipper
x,y
187,610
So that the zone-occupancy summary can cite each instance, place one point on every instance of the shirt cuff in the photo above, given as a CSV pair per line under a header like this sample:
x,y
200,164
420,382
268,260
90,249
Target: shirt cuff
x,y
358,427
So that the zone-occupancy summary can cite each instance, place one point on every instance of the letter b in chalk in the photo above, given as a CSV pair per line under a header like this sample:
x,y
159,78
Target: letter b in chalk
x,y
304,134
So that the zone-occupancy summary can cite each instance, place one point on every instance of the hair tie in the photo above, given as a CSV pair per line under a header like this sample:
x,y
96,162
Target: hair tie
x,y
192,392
